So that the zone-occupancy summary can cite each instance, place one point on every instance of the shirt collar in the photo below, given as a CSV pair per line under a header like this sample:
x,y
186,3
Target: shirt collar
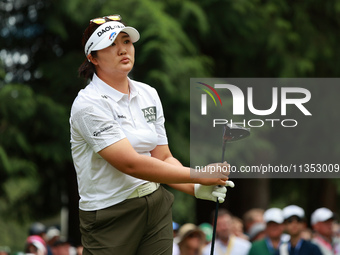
x,y
107,90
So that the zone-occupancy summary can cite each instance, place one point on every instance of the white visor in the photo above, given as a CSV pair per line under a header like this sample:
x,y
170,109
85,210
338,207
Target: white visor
x,y
105,35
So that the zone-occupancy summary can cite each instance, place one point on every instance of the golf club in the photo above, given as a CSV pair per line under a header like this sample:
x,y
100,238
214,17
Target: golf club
x,y
231,133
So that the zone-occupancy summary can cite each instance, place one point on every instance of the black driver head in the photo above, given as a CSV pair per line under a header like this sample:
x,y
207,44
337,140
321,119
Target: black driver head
x,y
233,132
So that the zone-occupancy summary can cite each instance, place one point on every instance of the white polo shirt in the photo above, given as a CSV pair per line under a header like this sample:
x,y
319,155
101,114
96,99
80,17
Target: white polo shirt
x,y
101,116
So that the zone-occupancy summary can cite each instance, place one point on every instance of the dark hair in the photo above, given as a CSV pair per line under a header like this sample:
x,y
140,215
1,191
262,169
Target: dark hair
x,y
87,68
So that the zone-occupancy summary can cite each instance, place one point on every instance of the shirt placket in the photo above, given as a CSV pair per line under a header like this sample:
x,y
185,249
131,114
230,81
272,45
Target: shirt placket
x,y
132,111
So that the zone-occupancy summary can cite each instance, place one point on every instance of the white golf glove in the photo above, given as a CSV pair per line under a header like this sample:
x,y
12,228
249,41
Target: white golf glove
x,y
212,192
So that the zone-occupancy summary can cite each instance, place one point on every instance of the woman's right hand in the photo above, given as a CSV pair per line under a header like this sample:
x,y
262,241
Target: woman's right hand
x,y
212,174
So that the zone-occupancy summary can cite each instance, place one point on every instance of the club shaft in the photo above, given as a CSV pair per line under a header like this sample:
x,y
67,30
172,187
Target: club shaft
x,y
214,229
217,206
223,150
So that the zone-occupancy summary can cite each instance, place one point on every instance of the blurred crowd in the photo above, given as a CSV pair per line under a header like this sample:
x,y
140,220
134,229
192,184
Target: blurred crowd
x,y
259,232
262,232
45,241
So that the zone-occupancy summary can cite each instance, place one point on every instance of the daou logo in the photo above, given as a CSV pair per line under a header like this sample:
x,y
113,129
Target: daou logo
x,y
108,28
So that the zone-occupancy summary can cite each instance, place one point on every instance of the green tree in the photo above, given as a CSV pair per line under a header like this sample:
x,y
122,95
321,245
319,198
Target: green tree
x,y
31,159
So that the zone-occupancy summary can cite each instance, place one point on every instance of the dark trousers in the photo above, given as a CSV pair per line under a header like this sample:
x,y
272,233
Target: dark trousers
x,y
137,226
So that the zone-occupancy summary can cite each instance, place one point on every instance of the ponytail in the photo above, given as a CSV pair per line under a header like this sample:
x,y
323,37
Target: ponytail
x,y
87,68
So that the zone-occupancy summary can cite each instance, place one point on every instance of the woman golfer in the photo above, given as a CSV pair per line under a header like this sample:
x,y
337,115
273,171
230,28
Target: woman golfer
x,y
121,154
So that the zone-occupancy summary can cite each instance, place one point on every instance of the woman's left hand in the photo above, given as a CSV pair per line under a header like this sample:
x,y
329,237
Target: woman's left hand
x,y
212,192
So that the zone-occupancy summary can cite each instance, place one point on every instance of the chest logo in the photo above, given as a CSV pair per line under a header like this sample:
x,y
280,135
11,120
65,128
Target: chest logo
x,y
150,114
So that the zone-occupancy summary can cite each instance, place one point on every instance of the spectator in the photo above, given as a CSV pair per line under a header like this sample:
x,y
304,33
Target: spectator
x,y
257,232
190,240
336,236
336,229
294,219
225,240
273,231
238,228
207,230
5,250
175,248
322,223
63,247
35,245
79,249
307,234
175,228
251,217
52,236
39,229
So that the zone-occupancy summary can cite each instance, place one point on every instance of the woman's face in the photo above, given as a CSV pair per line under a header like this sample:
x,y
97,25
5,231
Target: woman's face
x,y
119,57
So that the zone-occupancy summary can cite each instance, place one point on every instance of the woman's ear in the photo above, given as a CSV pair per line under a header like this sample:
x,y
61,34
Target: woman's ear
x,y
92,59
